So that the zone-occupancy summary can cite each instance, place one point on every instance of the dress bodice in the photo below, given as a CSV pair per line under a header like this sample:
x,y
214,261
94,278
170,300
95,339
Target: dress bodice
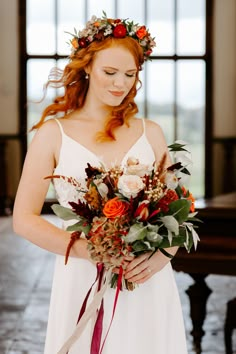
x,y
73,159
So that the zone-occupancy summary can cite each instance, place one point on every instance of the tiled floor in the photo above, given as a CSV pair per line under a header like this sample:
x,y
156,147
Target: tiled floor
x,y
25,280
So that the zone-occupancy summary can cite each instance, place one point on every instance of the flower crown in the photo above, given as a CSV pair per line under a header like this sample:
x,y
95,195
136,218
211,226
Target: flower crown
x,y
98,29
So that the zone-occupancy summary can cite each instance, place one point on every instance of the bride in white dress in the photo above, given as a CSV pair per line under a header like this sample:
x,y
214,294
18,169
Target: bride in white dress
x,y
99,125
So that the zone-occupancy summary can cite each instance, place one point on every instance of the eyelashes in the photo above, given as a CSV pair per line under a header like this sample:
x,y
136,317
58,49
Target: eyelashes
x,y
114,72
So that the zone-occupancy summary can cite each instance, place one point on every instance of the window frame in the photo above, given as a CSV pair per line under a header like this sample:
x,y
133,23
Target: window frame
x,y
207,57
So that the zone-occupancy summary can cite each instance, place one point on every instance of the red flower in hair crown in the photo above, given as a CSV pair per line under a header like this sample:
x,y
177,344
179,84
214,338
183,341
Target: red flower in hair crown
x,y
98,29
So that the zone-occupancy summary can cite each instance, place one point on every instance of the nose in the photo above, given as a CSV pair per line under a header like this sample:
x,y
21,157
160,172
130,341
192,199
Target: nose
x,y
119,81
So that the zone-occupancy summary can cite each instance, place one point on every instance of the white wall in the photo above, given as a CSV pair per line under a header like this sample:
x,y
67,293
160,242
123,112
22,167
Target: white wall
x,y
9,67
224,88
224,66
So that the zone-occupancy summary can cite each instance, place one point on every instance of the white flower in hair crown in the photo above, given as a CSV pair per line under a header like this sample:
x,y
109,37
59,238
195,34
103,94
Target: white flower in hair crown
x,y
98,29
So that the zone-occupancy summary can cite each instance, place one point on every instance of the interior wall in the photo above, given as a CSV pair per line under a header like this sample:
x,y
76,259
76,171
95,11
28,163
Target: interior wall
x,y
9,112
224,66
224,88
9,67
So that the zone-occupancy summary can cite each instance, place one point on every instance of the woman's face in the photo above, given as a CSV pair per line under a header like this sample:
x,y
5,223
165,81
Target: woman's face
x,y
112,75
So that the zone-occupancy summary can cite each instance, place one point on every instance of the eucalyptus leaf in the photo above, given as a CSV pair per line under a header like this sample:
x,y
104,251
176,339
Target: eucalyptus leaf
x,y
170,223
136,232
170,236
154,237
64,213
152,228
180,209
195,237
80,226
139,246
176,241
149,246
191,215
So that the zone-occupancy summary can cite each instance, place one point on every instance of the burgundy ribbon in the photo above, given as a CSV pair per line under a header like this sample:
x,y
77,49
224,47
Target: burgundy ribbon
x,y
118,288
98,327
100,270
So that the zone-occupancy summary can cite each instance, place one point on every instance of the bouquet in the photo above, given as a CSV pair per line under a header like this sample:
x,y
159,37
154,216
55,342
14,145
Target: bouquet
x,y
125,211
133,209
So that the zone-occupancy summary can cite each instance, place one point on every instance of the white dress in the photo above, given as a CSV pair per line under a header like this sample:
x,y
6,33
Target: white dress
x,y
148,320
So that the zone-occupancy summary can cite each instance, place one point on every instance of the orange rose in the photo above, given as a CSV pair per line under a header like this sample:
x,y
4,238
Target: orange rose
x,y
141,32
189,197
74,42
115,207
96,24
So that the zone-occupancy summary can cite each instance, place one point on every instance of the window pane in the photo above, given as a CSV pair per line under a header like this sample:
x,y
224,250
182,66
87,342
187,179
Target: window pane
x,y
191,27
191,115
160,95
41,27
70,16
37,75
134,10
96,8
161,25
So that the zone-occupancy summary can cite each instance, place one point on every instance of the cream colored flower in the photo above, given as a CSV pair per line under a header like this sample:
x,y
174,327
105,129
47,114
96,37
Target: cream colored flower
x,y
171,180
130,185
136,168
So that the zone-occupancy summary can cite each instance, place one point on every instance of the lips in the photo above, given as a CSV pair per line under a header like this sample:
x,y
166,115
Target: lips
x,y
117,93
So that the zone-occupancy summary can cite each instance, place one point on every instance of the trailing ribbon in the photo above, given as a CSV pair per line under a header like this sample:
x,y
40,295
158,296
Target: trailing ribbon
x,y
86,314
118,288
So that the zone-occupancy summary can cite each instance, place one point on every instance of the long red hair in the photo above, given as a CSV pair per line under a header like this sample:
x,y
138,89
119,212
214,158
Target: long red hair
x,y
72,78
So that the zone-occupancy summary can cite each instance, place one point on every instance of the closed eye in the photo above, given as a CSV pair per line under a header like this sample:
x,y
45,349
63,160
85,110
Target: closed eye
x,y
110,72
130,75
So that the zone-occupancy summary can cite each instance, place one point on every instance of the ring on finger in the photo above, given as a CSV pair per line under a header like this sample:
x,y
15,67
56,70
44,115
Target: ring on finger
x,y
149,270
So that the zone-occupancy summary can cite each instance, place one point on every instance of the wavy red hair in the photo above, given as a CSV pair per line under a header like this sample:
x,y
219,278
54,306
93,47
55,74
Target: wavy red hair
x,y
72,78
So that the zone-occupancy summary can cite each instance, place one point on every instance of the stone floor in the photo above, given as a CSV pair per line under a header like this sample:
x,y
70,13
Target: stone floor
x,y
25,280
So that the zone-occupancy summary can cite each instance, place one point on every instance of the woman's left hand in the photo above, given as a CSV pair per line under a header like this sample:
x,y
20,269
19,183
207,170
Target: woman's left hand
x,y
144,267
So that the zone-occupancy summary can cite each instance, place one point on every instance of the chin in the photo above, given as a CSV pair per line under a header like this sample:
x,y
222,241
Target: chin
x,y
115,102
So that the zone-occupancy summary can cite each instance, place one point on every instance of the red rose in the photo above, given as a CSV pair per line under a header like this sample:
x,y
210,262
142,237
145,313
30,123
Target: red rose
x,y
169,197
148,52
82,43
119,31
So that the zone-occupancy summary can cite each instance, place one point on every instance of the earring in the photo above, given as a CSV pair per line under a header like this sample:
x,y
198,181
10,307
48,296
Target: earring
x,y
87,76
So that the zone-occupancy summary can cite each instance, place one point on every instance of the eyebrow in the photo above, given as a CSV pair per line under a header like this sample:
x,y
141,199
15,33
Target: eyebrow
x,y
110,67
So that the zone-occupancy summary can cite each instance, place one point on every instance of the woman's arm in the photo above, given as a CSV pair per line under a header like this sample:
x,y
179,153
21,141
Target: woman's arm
x,y
27,222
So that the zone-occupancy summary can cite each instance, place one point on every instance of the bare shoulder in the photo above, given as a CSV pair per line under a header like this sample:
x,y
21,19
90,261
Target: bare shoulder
x,y
48,134
156,138
48,128
154,132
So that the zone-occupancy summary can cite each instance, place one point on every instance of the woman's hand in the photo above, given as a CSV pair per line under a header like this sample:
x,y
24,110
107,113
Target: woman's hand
x,y
143,267
125,262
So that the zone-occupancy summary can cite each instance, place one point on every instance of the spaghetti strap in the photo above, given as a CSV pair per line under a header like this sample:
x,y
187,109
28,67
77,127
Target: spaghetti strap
x,y
144,126
60,126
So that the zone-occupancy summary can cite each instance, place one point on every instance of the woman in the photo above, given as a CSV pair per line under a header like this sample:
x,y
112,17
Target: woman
x,y
99,125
